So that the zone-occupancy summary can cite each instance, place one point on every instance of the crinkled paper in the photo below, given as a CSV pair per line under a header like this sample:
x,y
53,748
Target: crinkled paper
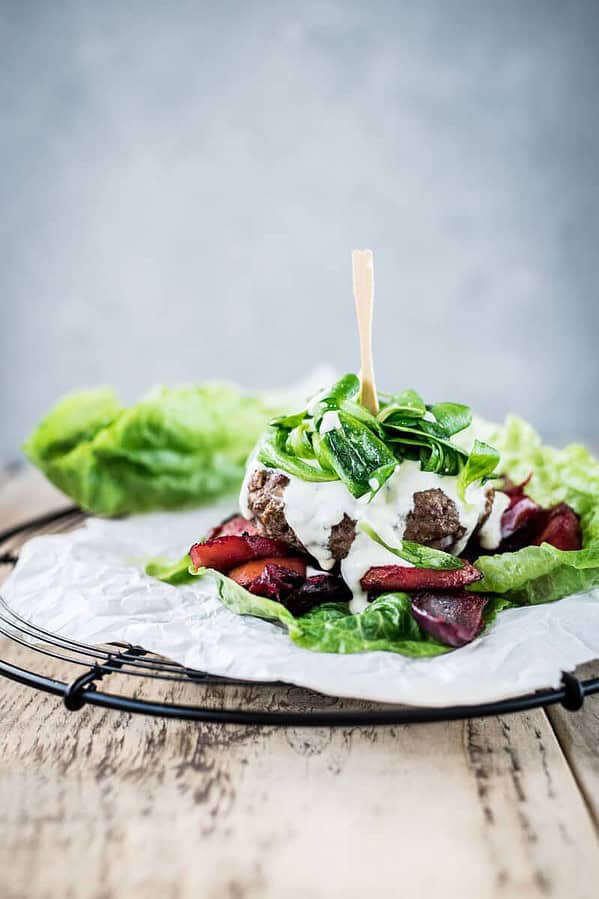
x,y
90,585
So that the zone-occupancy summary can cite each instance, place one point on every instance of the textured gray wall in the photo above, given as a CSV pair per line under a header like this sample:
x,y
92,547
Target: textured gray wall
x,y
182,183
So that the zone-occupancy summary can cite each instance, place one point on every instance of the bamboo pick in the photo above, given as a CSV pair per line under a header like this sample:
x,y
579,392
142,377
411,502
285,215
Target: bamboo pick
x,y
363,279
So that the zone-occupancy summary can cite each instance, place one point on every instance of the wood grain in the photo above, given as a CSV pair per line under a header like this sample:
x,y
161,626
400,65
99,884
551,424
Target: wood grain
x,y
103,805
578,736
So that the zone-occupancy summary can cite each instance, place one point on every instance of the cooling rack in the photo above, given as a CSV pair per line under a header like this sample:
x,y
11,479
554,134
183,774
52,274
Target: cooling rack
x,y
141,674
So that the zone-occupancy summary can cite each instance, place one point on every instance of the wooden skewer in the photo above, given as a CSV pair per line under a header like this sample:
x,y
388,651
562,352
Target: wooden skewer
x,y
363,276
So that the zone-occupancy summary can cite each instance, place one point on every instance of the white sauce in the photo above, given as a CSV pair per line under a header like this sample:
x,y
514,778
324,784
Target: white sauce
x,y
490,533
364,554
330,422
313,508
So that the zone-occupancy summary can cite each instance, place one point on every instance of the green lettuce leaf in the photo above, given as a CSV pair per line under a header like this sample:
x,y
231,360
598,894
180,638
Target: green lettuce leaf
x,y
453,417
239,600
538,574
408,404
170,571
387,623
569,475
178,447
357,455
415,553
482,462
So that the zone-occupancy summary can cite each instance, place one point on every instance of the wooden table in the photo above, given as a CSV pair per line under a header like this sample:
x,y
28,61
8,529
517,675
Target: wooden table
x,y
100,804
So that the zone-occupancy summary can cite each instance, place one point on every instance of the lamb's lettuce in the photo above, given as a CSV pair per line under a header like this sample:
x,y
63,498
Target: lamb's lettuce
x,y
481,463
415,553
359,448
454,417
178,447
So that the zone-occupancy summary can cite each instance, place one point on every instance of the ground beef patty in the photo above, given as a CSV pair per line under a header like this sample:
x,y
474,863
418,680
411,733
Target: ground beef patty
x,y
433,520
266,505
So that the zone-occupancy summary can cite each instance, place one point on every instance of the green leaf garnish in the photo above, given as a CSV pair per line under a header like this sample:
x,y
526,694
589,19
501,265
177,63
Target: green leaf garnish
x,y
362,448
409,403
356,454
482,461
273,453
418,555
453,417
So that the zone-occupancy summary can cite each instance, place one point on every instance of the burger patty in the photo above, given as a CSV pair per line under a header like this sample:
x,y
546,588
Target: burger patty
x,y
267,507
433,520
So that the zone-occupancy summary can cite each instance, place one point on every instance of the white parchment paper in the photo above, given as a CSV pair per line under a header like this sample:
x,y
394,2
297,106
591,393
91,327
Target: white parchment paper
x,y
90,585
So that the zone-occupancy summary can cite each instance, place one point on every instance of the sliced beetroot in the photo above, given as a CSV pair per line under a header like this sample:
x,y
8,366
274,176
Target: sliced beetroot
x,y
400,577
323,588
285,581
519,522
525,523
515,490
225,553
249,572
234,526
276,581
452,618
521,513
560,528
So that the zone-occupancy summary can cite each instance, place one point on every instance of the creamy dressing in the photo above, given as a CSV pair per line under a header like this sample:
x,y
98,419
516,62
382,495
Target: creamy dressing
x,y
312,509
489,535
330,422
364,553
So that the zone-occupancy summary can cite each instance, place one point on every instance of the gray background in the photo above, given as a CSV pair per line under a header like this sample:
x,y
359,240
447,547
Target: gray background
x,y
181,185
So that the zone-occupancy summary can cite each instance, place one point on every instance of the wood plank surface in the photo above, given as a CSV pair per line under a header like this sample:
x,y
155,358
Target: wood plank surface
x,y
101,804
579,738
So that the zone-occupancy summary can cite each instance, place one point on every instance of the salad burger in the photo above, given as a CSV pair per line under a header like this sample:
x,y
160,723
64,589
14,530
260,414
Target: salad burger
x,y
376,520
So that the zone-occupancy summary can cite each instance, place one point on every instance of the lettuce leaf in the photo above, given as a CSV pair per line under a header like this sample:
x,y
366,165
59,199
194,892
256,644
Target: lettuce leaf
x,y
387,624
178,447
170,571
538,574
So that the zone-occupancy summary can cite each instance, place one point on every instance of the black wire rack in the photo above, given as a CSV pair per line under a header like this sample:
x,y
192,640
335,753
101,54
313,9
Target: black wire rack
x,y
86,666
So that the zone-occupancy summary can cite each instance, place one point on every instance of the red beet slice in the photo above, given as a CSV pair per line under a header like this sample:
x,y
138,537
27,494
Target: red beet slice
x,y
235,526
400,577
521,512
284,579
250,572
324,588
515,490
454,619
561,528
225,553
294,593
277,581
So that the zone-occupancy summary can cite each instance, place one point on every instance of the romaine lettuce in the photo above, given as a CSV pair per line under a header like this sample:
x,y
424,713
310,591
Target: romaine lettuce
x,y
538,574
387,623
178,447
